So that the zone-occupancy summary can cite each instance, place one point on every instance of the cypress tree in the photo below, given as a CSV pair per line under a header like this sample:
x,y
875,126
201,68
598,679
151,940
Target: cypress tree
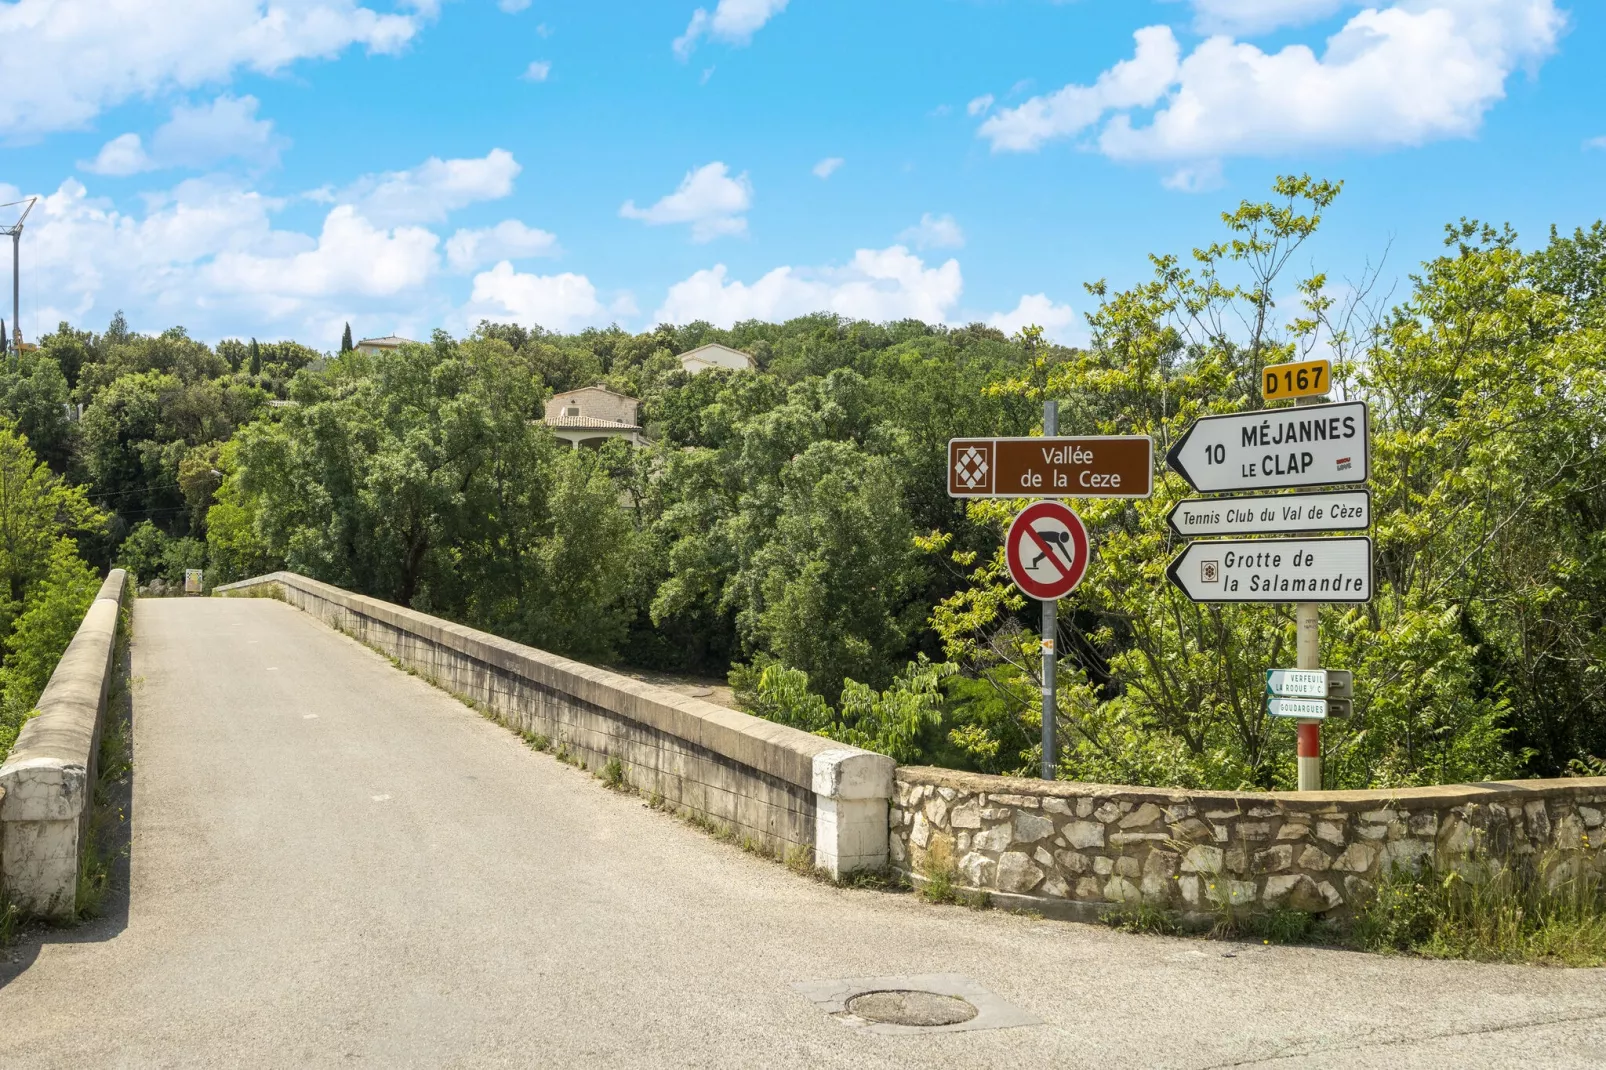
x,y
256,358
5,343
345,340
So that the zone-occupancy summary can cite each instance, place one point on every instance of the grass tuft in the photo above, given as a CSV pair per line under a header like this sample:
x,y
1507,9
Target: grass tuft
x,y
1142,917
613,774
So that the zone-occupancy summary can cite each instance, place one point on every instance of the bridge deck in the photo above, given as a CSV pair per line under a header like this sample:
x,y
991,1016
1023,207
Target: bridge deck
x,y
333,863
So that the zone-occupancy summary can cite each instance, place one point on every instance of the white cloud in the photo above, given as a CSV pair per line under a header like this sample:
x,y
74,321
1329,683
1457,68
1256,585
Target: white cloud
x,y
428,192
63,63
934,232
508,240
979,105
122,155
827,167
1195,178
206,254
733,21
1261,16
708,198
1596,142
537,71
195,136
513,7
1393,76
556,302
1058,321
1132,83
878,284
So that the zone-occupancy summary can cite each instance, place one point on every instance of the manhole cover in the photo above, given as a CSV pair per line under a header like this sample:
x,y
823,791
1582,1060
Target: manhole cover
x,y
908,1006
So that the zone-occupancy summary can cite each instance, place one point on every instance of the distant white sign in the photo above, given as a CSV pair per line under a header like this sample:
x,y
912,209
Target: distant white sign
x,y
1310,683
1322,510
1275,570
1310,446
1306,709
192,581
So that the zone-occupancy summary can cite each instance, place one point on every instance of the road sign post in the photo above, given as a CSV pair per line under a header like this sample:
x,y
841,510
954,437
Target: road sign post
x,y
1051,607
1302,379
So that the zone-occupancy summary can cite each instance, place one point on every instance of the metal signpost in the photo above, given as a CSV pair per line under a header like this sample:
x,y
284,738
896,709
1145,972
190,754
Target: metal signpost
x,y
1047,545
1313,445
1274,449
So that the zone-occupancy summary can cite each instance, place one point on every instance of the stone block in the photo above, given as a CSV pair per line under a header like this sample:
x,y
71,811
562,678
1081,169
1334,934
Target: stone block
x,y
1230,892
947,794
1192,829
1188,886
1025,802
995,839
1459,837
1084,807
1055,887
1088,888
1254,830
895,851
1570,833
1408,854
937,811
965,816
1313,859
977,870
1330,831
1057,806
1016,873
1122,839
1592,817
1294,830
996,813
1127,866
1202,858
1107,812
1029,828
1373,832
1425,823
1147,814
1295,891
1121,890
1084,834
1071,862
1275,859
1103,865
921,835
962,841
1042,857
1538,820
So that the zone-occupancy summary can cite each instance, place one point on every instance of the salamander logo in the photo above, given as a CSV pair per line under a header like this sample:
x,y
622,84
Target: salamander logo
x,y
1344,464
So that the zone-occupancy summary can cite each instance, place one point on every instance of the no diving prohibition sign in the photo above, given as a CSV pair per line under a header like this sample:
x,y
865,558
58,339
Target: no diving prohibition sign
x,y
1047,550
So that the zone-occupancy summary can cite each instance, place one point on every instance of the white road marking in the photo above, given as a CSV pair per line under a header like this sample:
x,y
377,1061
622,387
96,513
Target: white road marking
x,y
309,716
381,798
273,668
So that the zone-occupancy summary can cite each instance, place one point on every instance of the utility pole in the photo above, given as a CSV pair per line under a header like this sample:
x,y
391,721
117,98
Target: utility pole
x,y
1051,427
15,230
1308,655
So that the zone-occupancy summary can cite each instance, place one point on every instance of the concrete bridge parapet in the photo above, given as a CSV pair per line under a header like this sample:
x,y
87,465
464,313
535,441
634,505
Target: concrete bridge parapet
x,y
47,781
769,784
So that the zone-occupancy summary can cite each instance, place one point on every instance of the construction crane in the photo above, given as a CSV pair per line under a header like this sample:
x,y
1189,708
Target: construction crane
x,y
15,230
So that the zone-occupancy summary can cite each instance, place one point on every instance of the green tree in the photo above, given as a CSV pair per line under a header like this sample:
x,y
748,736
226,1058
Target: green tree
x,y
345,340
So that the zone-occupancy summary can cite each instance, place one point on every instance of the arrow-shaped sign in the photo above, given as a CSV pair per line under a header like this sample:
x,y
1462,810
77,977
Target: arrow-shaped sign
x,y
1275,570
1310,683
1310,446
1267,514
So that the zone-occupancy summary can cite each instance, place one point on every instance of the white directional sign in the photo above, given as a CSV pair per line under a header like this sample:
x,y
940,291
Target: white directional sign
x,y
1322,510
1306,709
1275,570
1305,447
1310,683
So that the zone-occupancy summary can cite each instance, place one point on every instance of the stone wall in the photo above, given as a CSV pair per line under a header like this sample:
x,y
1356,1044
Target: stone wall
x,y
47,782
770,784
1076,850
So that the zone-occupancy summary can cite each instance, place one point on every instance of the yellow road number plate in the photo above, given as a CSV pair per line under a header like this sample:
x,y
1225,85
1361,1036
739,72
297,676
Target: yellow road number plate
x,y
1308,378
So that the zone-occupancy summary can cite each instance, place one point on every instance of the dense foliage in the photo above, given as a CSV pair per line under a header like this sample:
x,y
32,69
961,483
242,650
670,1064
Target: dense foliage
x,y
790,525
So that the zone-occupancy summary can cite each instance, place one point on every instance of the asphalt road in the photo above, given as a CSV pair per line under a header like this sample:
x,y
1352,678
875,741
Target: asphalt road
x,y
334,864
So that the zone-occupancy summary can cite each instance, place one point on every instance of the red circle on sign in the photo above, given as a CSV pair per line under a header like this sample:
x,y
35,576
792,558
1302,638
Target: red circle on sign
x,y
1047,550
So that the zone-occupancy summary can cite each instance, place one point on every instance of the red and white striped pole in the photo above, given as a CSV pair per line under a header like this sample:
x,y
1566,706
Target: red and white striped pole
x,y
1308,650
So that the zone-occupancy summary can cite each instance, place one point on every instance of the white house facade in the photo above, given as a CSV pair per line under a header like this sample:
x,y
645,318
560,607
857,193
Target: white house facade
x,y
592,415
713,355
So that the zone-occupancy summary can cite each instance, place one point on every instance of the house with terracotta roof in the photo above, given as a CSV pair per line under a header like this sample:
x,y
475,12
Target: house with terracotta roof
x,y
386,344
592,415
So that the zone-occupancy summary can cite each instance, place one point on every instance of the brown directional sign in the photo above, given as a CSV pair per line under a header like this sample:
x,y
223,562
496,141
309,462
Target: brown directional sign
x,y
1101,466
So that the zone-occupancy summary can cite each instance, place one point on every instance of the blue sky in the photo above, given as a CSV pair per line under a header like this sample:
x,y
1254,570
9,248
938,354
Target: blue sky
x,y
242,171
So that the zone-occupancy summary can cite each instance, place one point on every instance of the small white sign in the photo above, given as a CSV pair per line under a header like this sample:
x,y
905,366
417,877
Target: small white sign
x,y
1310,683
1305,709
192,581
1323,510
1275,570
1311,446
